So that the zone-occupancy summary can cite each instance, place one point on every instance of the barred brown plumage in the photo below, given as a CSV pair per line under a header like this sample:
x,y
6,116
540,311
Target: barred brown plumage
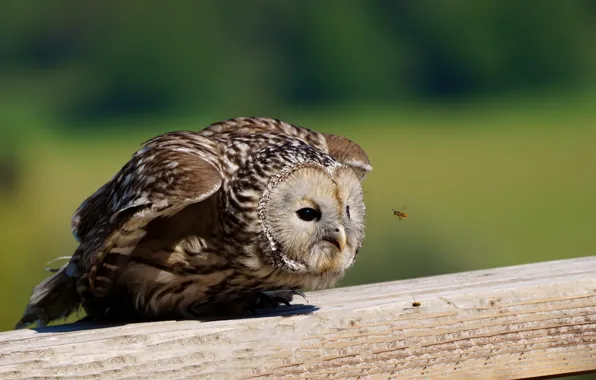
x,y
204,222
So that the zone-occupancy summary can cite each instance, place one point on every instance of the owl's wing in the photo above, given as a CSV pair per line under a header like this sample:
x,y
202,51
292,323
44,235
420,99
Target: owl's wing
x,y
349,153
89,212
169,173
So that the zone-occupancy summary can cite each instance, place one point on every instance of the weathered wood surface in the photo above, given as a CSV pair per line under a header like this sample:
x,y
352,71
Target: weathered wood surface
x,y
507,323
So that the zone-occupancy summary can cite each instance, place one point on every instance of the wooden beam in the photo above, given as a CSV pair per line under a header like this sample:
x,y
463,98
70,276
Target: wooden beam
x,y
509,323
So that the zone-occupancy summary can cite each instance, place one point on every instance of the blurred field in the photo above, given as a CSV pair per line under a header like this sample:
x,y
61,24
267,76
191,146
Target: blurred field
x,y
479,117
518,187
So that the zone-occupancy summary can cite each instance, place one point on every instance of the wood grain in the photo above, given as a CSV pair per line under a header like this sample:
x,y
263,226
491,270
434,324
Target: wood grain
x,y
509,323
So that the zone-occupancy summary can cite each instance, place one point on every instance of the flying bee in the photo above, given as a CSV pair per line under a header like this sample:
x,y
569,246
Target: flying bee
x,y
400,214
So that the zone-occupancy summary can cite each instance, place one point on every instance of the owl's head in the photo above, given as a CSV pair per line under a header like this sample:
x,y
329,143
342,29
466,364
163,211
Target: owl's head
x,y
313,218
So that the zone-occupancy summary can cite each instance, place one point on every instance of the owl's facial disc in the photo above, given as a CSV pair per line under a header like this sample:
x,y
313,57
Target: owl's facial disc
x,y
315,218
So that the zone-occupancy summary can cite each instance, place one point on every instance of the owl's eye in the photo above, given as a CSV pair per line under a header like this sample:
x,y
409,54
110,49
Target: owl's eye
x,y
348,211
308,214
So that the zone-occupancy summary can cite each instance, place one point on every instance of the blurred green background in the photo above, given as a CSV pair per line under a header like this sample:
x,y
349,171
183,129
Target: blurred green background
x,y
477,116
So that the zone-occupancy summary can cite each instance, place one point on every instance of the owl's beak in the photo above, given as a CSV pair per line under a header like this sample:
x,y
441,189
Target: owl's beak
x,y
338,238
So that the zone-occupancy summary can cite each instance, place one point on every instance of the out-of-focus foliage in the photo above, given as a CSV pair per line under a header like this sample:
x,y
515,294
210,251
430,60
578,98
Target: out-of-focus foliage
x,y
479,116
100,59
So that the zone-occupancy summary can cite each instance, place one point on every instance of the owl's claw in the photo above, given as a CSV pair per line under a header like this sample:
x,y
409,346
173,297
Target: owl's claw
x,y
281,300
299,293
272,299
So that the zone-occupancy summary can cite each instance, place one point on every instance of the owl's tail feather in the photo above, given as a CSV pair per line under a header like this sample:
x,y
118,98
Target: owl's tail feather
x,y
55,297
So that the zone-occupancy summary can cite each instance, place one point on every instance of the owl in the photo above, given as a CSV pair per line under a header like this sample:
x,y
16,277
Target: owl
x,y
216,222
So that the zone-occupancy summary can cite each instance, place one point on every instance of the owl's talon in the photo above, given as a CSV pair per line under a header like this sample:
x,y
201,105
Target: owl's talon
x,y
299,293
282,300
272,299
266,301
